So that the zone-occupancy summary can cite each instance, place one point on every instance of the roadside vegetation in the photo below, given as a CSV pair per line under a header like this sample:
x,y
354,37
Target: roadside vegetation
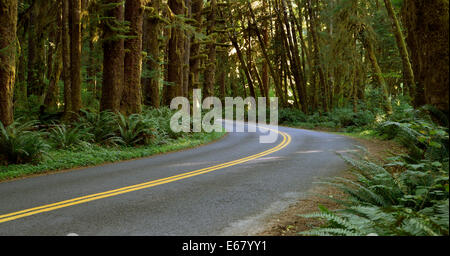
x,y
32,146
408,195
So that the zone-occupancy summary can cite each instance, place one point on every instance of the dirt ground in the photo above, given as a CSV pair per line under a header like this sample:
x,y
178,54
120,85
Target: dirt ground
x,y
288,223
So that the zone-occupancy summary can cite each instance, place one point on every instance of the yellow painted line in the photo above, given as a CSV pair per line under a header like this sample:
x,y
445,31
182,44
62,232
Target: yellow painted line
x,y
83,199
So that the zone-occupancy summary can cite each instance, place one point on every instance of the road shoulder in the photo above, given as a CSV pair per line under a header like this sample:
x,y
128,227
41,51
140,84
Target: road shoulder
x,y
288,223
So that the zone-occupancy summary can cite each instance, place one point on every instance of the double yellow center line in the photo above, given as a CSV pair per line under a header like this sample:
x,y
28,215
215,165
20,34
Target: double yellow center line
x,y
83,199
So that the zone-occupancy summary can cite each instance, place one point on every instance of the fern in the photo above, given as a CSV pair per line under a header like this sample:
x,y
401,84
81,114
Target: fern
x,y
63,137
22,143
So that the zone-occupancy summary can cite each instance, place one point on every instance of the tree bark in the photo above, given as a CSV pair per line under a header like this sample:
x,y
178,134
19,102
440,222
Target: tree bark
x,y
276,78
427,24
195,60
132,94
210,69
265,67
8,42
113,60
187,50
152,31
66,58
175,57
407,67
52,95
75,54
376,70
316,54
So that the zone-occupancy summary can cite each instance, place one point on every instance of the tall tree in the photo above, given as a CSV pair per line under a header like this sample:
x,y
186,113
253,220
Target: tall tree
x,y
210,70
408,73
75,54
132,94
113,57
65,37
151,37
175,55
187,49
8,42
427,24
195,55
52,95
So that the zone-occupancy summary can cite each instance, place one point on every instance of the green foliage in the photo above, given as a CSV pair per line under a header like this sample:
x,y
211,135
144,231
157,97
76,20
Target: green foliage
x,y
103,126
21,143
422,138
136,129
291,116
161,123
339,118
407,196
64,137
88,156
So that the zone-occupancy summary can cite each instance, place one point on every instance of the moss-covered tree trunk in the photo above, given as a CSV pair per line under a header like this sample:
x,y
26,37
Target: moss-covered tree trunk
x,y
187,49
210,69
407,67
8,42
376,71
251,86
152,31
75,54
276,78
265,67
427,24
52,95
244,66
113,59
132,94
175,56
65,44
65,37
195,56
36,51
316,55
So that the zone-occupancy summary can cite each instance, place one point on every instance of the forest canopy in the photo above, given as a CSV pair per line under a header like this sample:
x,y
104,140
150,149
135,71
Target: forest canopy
x,y
64,56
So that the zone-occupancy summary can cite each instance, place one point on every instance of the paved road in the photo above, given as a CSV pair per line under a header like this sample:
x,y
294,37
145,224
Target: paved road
x,y
189,192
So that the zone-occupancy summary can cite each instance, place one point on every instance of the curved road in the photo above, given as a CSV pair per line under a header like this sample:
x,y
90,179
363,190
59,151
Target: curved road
x,y
224,188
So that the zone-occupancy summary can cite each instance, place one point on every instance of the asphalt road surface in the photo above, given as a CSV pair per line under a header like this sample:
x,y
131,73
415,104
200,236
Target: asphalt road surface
x,y
225,188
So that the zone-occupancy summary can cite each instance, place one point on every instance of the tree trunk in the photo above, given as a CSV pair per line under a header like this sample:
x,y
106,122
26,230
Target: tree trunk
x,y
408,74
244,66
92,67
187,50
152,31
377,73
52,95
8,37
65,37
427,23
210,69
265,71
251,86
175,57
276,78
316,52
132,94
195,59
75,54
113,60
36,54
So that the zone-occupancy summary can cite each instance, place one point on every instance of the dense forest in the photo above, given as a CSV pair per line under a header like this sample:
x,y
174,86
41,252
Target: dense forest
x,y
313,55
84,82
